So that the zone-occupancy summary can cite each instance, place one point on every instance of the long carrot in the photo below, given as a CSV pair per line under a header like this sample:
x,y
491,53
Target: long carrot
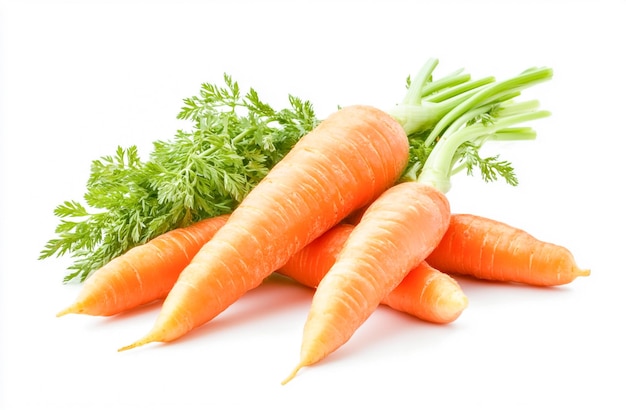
x,y
425,292
488,249
143,274
396,233
343,164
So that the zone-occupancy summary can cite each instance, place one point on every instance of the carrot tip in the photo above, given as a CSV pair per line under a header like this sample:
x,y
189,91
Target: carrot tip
x,y
138,343
291,375
67,310
462,301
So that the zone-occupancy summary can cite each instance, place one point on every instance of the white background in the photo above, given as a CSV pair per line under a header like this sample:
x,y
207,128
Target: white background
x,y
79,78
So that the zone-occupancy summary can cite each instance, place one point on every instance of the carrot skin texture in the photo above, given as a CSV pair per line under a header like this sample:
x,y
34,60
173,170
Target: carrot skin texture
x,y
143,274
428,294
492,250
396,233
425,292
343,164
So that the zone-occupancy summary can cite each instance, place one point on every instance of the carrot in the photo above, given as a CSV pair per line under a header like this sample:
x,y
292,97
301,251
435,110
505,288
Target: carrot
x,y
493,250
343,164
425,292
143,274
396,233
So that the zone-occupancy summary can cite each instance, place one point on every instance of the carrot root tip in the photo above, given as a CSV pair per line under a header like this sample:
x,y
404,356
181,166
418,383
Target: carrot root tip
x,y
460,301
68,310
138,343
291,375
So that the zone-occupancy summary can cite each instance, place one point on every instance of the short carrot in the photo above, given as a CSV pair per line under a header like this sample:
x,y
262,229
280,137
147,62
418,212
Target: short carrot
x,y
343,164
493,250
396,233
145,273
425,292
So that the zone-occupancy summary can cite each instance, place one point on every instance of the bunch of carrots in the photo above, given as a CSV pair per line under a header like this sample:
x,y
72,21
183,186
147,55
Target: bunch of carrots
x,y
345,213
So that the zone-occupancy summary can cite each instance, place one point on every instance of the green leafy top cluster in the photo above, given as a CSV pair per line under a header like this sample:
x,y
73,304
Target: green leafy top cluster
x,y
449,119
235,140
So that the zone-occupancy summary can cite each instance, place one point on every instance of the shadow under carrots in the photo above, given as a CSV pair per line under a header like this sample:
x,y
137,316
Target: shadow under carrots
x,y
388,327
148,309
277,294
491,292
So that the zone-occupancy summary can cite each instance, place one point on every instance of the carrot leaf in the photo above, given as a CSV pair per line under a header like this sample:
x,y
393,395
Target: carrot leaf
x,y
235,139
490,167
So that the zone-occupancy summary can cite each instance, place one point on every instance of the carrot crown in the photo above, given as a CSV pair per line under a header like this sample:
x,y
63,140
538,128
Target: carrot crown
x,y
463,115
427,101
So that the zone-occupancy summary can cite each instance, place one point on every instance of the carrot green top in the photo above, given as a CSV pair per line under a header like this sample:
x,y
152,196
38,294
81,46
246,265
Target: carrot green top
x,y
464,115
236,138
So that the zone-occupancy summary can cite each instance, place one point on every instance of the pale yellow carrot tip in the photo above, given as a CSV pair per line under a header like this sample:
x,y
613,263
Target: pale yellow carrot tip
x,y
292,374
140,342
458,303
460,300
70,309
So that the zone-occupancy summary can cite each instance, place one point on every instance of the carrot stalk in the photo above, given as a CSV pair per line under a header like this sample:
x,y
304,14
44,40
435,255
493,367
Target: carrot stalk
x,y
143,274
488,249
425,292
396,233
343,164
427,102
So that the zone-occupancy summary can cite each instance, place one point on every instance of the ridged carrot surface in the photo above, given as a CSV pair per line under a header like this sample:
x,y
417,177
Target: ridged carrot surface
x,y
346,162
143,274
489,249
396,233
425,292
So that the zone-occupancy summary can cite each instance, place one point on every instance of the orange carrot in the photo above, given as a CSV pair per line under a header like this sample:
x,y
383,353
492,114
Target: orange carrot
x,y
343,164
396,233
143,274
425,292
493,250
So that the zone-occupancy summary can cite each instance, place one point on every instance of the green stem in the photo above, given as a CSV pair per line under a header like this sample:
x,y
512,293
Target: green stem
x,y
456,90
414,93
491,94
514,134
427,102
455,78
438,167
